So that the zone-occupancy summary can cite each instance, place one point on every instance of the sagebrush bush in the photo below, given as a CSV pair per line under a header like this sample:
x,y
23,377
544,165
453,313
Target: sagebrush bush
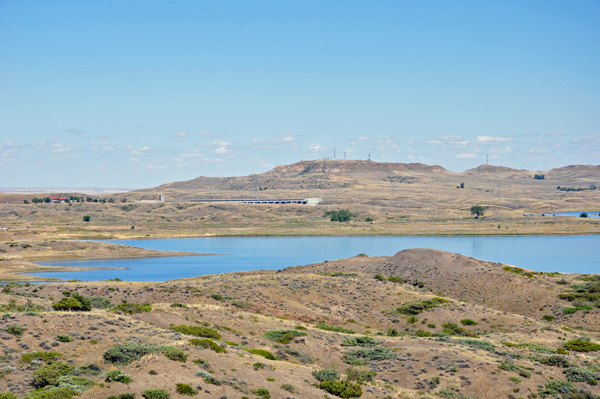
x,y
363,356
99,302
132,308
125,354
208,378
156,394
197,331
262,392
264,353
283,336
173,353
50,373
328,327
360,341
508,366
179,305
63,338
119,376
47,357
468,322
415,308
360,376
16,330
581,345
343,389
207,344
123,396
480,344
186,389
326,375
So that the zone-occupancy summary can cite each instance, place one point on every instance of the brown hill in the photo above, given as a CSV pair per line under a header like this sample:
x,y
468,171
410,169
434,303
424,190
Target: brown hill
x,y
453,275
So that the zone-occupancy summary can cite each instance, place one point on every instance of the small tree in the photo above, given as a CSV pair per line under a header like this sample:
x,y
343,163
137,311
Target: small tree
x,y
477,210
86,218
462,185
25,202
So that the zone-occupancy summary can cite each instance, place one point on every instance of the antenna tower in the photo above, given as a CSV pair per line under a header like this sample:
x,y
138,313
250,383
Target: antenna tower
x,y
369,157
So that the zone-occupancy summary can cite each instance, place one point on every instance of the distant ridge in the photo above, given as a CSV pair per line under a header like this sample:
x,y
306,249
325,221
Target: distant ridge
x,y
337,173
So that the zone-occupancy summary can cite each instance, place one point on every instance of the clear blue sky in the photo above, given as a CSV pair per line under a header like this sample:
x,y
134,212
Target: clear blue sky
x,y
139,93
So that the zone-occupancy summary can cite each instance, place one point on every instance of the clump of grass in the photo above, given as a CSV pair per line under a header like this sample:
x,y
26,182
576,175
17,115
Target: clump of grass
x,y
415,308
343,389
16,330
132,308
468,322
508,366
119,376
241,304
264,353
197,331
156,394
48,357
185,389
283,336
363,356
63,338
480,344
179,305
360,341
207,344
326,374
217,297
328,327
581,345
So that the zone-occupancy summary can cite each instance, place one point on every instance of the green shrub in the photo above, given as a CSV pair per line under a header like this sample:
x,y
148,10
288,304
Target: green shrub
x,y
468,322
173,353
548,317
217,297
156,394
7,395
207,344
554,360
208,378
361,357
360,376
581,345
422,333
200,362
343,215
132,308
392,332
379,277
578,374
63,338
416,308
300,328
123,396
508,366
262,392
326,375
264,353
343,389
198,331
395,279
185,389
76,302
179,305
328,327
479,344
283,336
241,304
454,329
119,376
16,330
285,387
99,302
360,341
52,393
47,357
555,388
125,354
50,373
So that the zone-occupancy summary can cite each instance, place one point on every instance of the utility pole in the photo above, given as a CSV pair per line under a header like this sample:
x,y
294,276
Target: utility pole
x,y
369,157
487,159
334,151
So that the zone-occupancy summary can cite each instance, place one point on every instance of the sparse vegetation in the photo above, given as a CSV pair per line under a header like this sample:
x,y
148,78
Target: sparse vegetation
x,y
283,336
415,308
197,331
328,327
132,308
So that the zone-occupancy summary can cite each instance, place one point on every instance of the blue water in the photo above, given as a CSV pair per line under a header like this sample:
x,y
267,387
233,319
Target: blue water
x,y
594,214
569,254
